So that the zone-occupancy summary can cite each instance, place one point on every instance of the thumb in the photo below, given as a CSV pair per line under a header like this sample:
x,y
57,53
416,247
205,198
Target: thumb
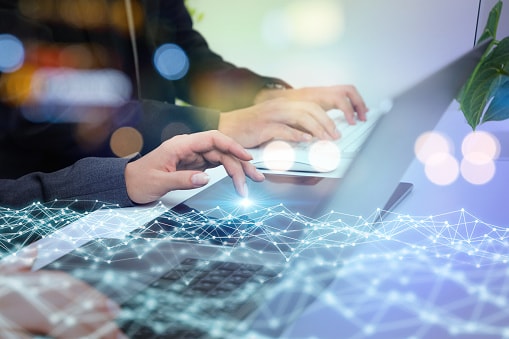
x,y
183,180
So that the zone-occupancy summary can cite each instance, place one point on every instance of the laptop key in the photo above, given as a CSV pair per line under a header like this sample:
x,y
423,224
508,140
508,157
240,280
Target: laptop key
x,y
203,289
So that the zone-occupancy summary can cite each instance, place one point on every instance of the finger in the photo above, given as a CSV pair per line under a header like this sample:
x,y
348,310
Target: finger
x,y
235,170
284,132
357,102
184,180
215,140
314,119
348,110
252,172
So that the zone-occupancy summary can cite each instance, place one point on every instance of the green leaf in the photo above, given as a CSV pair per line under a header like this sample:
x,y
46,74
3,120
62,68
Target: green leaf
x,y
498,109
490,31
475,96
483,83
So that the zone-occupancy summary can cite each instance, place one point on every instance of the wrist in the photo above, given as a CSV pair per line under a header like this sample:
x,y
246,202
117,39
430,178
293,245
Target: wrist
x,y
269,91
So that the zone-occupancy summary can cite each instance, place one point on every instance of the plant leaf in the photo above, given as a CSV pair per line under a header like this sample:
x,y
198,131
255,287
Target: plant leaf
x,y
475,96
499,106
483,83
490,31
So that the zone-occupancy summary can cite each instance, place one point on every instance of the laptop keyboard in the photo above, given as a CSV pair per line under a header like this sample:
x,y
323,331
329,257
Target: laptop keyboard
x,y
188,298
352,136
350,142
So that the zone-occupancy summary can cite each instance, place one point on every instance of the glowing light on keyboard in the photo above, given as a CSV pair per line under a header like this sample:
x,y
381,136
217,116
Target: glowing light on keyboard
x,y
278,156
324,155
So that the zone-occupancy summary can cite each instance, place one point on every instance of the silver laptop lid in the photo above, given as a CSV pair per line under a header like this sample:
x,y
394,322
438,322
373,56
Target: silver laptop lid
x,y
384,157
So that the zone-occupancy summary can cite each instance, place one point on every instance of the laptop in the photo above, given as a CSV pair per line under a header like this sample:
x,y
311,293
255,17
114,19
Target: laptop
x,y
218,266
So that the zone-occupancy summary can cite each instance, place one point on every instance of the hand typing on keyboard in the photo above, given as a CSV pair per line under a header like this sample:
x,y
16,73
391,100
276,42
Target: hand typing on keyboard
x,y
317,155
292,115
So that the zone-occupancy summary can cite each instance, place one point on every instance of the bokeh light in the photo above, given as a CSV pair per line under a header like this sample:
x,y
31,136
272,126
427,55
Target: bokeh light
x,y
305,23
480,142
324,156
278,155
171,61
430,143
126,141
12,53
479,149
441,168
478,168
106,87
15,87
76,56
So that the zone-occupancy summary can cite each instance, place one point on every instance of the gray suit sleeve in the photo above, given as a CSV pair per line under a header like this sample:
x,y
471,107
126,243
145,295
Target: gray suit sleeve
x,y
89,179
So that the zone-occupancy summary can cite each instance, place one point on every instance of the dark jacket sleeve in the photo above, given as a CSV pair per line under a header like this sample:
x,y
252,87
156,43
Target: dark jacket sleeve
x,y
89,179
211,81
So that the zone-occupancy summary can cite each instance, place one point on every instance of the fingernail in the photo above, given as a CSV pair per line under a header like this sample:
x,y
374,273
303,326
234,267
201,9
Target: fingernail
x,y
200,179
122,336
306,137
113,308
245,191
261,176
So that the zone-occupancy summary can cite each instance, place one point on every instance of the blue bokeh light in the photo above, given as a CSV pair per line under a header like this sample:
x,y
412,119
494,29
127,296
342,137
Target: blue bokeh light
x,y
171,61
12,53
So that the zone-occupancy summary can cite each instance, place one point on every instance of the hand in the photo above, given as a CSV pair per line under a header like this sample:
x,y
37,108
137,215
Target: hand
x,y
55,304
179,162
278,119
343,97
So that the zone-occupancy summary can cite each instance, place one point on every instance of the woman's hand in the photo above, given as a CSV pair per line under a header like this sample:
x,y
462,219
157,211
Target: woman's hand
x,y
178,163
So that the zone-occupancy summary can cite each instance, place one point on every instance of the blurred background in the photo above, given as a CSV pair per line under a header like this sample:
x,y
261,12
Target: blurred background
x,y
382,47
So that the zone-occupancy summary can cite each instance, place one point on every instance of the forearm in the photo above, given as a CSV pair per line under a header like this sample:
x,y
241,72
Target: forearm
x,y
89,179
